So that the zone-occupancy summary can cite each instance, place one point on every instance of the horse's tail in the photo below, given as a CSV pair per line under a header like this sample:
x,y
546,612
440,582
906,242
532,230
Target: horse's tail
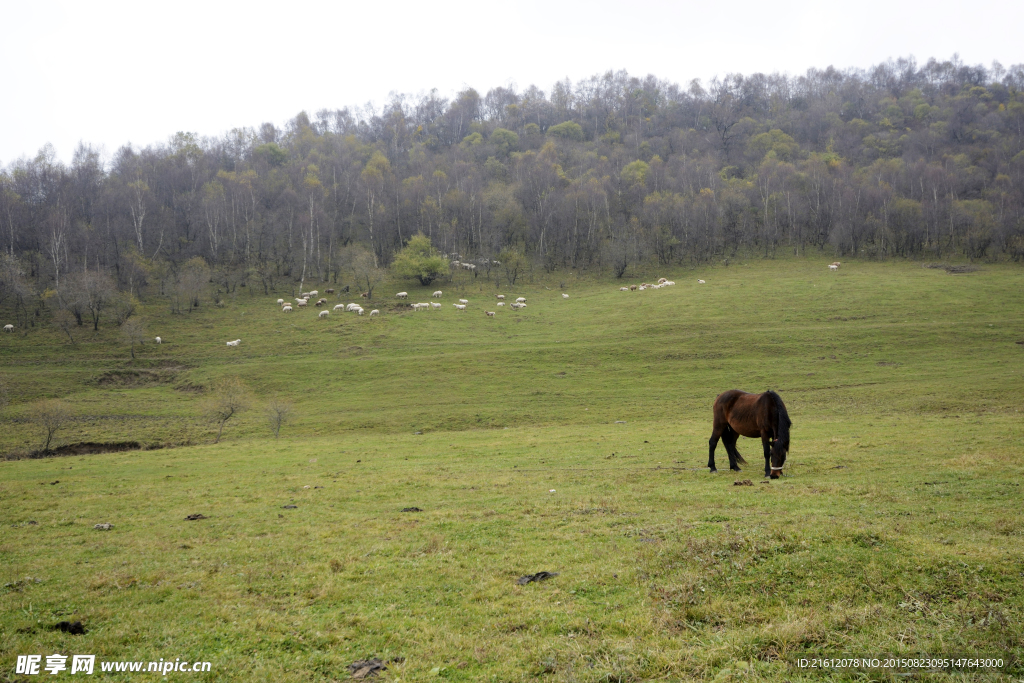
x,y
782,421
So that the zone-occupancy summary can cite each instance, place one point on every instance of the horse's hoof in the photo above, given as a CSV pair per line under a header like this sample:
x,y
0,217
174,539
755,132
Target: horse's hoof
x,y
735,469
713,471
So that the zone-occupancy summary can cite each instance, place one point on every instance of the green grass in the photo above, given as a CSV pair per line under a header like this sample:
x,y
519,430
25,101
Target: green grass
x,y
896,530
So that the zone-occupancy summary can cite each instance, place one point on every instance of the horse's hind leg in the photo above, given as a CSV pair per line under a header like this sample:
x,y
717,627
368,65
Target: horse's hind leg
x,y
716,434
729,439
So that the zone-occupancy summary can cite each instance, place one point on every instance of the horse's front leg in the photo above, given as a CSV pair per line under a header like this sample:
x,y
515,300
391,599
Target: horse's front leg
x,y
767,443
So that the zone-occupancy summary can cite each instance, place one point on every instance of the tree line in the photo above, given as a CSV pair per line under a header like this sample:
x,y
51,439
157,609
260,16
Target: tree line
x,y
898,160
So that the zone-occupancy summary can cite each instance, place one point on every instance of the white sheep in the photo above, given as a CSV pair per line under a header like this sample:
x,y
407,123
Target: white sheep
x,y
700,282
460,307
623,289
521,300
286,309
669,283
437,294
374,312
301,303
501,303
314,293
490,314
324,314
833,267
339,306
280,302
565,296
434,304
351,307
158,340
235,343
402,295
8,328
463,301
360,311
501,297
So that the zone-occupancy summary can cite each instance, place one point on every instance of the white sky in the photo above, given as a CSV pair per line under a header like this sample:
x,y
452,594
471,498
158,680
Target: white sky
x,y
109,73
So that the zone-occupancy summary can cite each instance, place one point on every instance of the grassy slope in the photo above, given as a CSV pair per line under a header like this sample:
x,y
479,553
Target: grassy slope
x,y
907,377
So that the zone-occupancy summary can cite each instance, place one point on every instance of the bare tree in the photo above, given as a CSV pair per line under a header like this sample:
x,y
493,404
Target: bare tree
x,y
123,305
50,415
92,292
367,274
133,332
278,412
64,321
230,397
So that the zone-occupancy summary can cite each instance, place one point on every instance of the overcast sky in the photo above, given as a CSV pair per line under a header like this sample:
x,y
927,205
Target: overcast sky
x,y
109,73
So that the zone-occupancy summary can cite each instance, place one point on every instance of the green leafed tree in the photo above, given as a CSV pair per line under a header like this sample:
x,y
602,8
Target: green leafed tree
x,y
568,130
420,260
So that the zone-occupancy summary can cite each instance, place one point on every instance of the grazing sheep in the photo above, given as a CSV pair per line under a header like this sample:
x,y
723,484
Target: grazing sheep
x,y
286,308
359,312
158,340
460,307
700,282
351,307
490,314
374,312
280,302
632,288
518,305
833,267
330,291
302,302
341,306
463,301
521,300
8,328
424,306
324,314
437,294
235,343
434,304
402,295
836,264
365,295
314,293
501,297
501,303
565,296
318,304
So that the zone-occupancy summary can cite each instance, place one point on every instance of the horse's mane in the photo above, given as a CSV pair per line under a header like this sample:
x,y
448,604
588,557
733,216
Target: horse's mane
x,y
783,424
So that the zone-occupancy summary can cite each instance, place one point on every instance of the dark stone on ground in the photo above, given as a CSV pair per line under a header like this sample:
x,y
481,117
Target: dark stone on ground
x,y
411,510
192,518
539,576
366,667
290,507
745,482
75,628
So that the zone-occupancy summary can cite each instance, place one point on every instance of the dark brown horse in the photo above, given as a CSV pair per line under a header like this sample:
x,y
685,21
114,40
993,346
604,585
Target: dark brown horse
x,y
737,414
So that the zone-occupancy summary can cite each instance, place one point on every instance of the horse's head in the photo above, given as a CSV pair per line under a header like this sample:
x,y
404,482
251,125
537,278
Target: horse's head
x,y
780,449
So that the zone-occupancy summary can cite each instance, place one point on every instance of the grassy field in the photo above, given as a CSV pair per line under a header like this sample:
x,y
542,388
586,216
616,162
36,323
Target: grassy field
x,y
570,437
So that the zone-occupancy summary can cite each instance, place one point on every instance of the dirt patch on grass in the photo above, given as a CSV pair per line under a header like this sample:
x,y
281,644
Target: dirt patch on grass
x,y
133,377
953,270
85,448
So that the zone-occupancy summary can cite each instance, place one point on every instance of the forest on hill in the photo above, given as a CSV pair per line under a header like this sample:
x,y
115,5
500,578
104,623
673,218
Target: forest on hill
x,y
898,160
